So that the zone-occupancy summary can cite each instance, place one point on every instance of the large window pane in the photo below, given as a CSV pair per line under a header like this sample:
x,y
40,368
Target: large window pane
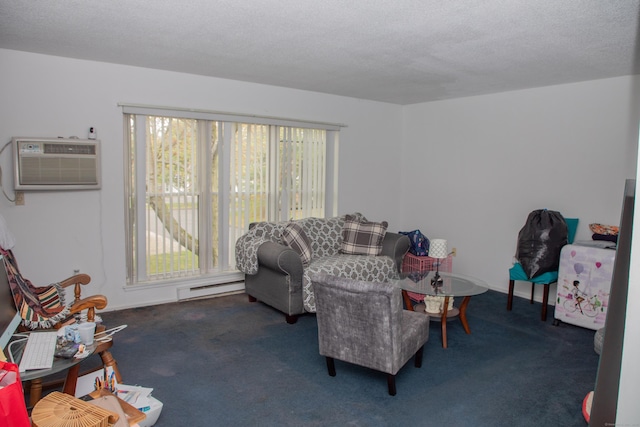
x,y
301,172
249,176
172,196
195,185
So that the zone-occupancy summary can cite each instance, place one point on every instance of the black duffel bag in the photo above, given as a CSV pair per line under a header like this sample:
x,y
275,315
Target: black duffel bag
x,y
540,242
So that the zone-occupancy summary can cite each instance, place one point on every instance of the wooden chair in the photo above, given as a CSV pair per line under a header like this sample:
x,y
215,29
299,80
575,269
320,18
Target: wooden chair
x,y
67,314
517,273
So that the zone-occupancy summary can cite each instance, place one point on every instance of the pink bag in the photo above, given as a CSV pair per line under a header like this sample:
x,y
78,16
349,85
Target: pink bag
x,y
13,409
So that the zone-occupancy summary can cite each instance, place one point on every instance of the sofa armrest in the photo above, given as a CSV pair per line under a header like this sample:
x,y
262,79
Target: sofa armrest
x,y
395,246
280,258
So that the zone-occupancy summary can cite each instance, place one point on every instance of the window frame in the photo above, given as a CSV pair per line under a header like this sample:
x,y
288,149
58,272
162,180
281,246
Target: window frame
x,y
135,205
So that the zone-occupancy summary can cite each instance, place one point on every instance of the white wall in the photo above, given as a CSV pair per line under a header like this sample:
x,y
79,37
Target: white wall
x,y
475,167
57,232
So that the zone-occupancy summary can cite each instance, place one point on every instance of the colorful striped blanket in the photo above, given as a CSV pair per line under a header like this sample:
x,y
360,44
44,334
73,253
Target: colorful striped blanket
x,y
39,307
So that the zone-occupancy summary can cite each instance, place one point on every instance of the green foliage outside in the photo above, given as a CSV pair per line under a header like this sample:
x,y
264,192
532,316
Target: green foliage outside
x,y
161,263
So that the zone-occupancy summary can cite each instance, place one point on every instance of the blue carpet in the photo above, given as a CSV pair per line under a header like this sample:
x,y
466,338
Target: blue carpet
x,y
225,361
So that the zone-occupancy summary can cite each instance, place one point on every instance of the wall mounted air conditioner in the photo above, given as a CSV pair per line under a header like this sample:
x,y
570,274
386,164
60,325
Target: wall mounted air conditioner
x,y
56,164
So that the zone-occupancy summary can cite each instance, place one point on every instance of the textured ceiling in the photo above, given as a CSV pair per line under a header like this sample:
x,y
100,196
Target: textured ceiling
x,y
398,51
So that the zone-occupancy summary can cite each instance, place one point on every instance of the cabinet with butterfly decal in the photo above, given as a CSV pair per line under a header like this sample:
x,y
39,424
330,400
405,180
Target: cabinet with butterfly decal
x,y
584,282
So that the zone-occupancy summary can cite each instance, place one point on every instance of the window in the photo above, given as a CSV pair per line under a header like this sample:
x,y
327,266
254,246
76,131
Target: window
x,y
195,181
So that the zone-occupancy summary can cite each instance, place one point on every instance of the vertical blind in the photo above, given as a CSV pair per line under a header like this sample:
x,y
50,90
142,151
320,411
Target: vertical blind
x,y
172,196
197,180
249,176
301,172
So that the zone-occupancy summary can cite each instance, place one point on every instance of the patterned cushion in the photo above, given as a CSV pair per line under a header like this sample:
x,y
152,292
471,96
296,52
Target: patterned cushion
x,y
362,238
378,269
294,236
324,234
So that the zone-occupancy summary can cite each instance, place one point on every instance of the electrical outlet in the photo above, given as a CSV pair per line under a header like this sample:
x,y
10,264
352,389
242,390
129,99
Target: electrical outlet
x,y
19,198
453,251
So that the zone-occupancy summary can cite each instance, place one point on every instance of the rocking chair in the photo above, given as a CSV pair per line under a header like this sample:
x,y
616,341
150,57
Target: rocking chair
x,y
45,308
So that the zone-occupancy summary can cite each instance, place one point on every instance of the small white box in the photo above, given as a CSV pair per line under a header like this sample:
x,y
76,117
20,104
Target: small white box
x,y
155,407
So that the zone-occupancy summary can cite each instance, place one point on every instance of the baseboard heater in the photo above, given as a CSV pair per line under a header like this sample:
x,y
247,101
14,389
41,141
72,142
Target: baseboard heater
x,y
201,291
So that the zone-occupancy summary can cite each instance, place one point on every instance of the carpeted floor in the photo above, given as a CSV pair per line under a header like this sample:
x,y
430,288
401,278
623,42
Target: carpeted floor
x,y
225,361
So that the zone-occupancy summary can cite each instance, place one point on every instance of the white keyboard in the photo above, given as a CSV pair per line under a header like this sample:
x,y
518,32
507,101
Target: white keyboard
x,y
39,351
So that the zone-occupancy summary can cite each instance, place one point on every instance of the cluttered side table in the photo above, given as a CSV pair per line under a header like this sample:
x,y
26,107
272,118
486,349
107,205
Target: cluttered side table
x,y
441,288
35,377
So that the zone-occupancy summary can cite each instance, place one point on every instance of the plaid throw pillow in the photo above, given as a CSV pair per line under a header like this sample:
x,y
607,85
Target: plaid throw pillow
x,y
294,236
362,238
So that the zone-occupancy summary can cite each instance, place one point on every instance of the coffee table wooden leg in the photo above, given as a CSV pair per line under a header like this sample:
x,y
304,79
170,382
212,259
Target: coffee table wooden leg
x,y
407,300
443,321
463,314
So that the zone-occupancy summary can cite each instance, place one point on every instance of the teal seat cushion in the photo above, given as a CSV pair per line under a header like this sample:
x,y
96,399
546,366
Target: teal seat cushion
x,y
517,273
572,227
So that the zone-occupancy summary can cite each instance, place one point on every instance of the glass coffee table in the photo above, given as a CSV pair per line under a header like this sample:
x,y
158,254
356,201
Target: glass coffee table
x,y
446,286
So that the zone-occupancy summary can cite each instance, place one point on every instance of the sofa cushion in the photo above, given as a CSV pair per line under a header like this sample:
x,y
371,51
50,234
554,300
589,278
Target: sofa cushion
x,y
323,233
294,236
362,238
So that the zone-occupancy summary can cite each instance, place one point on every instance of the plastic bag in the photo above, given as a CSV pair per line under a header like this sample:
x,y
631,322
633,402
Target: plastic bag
x,y
419,242
13,409
540,242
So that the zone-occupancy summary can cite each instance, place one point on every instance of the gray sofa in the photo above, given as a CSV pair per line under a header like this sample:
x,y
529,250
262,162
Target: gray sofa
x,y
276,275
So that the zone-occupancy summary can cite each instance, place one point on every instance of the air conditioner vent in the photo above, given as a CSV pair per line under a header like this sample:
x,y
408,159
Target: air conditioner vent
x,y
56,164
89,149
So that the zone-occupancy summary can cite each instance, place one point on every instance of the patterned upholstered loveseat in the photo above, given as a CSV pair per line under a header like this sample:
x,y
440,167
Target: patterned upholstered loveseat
x,y
277,270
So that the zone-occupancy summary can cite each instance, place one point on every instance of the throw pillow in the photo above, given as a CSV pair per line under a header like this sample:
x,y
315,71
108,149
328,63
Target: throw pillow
x,y
604,229
294,236
362,238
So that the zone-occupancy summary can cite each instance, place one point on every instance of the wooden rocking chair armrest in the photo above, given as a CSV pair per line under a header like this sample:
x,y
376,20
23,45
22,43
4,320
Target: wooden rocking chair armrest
x,y
78,280
94,301
90,304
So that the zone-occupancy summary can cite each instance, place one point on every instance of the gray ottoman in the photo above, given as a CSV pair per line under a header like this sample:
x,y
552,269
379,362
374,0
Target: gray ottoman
x,y
598,339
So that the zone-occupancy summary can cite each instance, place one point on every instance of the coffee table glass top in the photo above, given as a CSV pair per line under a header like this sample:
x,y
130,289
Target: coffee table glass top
x,y
450,285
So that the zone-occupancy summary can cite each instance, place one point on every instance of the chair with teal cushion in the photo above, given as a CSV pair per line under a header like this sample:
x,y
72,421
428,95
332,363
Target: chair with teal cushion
x,y
517,273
